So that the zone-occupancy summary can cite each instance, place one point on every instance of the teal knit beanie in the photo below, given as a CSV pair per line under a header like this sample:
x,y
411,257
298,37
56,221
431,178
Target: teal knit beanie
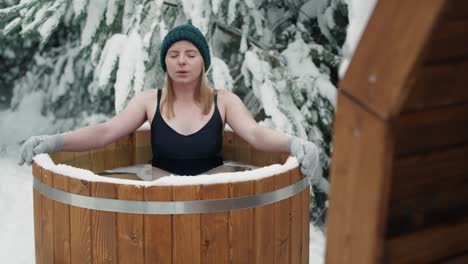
x,y
185,32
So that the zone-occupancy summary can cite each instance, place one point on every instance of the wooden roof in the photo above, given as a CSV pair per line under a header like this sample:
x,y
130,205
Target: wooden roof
x,y
399,173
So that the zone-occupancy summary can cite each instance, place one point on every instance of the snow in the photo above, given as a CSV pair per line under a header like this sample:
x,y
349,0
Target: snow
x,y
111,12
46,162
95,13
17,222
128,15
299,60
263,89
23,123
222,78
198,12
109,57
12,25
215,4
46,29
79,6
359,13
39,17
131,69
232,10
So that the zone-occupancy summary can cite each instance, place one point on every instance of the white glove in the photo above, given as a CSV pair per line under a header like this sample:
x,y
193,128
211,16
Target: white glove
x,y
39,144
307,153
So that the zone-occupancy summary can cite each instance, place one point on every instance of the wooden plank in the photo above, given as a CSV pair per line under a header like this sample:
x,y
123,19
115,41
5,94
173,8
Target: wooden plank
x,y
158,228
260,158
426,173
437,85
104,226
279,158
37,205
186,228
83,160
423,195
282,221
423,211
80,225
130,228
449,41
305,223
243,150
47,221
228,150
264,225
241,226
68,157
362,156
461,259
214,227
296,220
368,78
61,222
97,159
142,143
124,152
456,9
56,157
110,156
431,245
430,130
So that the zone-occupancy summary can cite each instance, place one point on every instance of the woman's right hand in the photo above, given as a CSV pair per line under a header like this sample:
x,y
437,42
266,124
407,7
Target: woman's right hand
x,y
39,144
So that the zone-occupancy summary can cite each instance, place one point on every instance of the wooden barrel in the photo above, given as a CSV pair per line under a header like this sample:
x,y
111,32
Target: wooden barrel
x,y
276,232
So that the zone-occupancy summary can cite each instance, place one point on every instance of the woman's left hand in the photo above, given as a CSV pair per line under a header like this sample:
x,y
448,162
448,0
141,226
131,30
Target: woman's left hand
x,y
307,154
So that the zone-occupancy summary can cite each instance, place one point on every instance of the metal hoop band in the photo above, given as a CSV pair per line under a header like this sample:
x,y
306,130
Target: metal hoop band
x,y
170,207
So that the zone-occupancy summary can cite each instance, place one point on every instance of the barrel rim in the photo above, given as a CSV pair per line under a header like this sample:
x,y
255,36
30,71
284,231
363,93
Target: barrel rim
x,y
45,162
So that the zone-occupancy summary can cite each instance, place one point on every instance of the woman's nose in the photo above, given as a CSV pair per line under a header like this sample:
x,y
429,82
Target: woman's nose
x,y
181,59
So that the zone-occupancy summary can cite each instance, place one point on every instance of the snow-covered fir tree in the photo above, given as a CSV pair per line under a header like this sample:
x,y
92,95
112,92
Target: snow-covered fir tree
x,y
91,57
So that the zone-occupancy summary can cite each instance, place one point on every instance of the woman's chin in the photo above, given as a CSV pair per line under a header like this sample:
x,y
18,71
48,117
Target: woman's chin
x,y
182,80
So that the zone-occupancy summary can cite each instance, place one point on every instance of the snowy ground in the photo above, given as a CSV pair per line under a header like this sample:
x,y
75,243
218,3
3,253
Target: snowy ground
x,y
16,221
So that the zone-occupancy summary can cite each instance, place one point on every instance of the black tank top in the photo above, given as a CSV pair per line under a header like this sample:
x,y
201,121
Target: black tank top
x,y
186,154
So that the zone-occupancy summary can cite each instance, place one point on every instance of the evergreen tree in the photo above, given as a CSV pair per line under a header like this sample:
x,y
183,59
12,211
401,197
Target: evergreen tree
x,y
280,56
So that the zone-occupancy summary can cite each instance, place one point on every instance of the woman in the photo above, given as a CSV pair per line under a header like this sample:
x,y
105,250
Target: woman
x,y
187,118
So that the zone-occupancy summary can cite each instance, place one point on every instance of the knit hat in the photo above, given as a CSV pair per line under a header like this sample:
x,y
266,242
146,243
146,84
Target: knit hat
x,y
185,32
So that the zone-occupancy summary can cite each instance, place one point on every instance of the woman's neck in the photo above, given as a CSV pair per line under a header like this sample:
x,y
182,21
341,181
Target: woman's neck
x,y
185,92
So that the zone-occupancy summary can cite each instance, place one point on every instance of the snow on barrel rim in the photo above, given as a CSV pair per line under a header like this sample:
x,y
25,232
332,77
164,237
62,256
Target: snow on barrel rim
x,y
45,161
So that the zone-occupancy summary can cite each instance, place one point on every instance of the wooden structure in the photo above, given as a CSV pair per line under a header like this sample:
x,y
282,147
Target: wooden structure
x,y
399,174
273,233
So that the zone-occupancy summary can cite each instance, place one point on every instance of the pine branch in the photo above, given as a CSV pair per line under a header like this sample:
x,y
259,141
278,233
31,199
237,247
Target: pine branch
x,y
14,24
170,3
36,23
238,32
13,11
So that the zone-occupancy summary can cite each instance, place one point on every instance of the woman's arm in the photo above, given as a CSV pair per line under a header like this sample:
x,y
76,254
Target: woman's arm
x,y
122,124
240,120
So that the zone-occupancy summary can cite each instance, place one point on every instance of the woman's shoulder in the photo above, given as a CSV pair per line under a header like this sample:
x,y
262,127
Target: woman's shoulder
x,y
147,94
227,97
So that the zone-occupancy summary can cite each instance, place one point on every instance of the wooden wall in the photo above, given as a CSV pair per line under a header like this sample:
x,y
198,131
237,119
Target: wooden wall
x,y
399,174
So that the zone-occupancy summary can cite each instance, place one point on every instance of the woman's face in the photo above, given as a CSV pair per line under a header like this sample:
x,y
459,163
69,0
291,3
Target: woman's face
x,y
184,62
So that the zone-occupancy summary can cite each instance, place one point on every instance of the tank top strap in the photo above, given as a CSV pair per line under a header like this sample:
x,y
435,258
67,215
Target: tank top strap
x,y
158,99
216,99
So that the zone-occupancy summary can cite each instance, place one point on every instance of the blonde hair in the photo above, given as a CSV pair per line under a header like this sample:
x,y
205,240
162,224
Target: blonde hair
x,y
204,96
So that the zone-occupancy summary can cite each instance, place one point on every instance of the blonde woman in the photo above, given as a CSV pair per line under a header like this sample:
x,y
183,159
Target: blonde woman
x,y
187,118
